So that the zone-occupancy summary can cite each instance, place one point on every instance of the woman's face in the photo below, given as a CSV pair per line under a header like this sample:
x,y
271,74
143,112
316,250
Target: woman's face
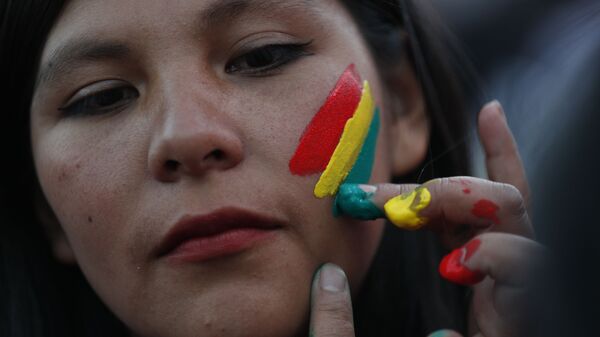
x,y
150,112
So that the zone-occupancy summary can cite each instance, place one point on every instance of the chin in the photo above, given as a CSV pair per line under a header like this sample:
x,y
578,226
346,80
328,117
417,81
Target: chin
x,y
246,298
266,312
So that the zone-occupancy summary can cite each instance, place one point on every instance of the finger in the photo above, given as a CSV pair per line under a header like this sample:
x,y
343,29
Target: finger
x,y
502,154
507,263
458,206
331,307
445,333
506,258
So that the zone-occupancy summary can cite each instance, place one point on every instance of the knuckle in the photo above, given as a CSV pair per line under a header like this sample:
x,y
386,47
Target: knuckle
x,y
439,185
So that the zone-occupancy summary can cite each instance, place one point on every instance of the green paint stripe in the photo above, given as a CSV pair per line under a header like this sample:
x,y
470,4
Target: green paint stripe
x,y
363,167
361,171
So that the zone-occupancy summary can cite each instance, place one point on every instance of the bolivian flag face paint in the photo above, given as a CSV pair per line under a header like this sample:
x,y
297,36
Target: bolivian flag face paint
x,y
340,141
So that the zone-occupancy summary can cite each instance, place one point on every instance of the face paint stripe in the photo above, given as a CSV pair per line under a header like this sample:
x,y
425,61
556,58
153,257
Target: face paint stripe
x,y
321,137
348,148
361,171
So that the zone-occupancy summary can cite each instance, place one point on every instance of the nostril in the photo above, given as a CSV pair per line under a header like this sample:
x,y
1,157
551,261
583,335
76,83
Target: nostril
x,y
171,165
217,155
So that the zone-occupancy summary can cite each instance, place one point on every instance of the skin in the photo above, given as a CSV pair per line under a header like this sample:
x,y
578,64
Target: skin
x,y
197,139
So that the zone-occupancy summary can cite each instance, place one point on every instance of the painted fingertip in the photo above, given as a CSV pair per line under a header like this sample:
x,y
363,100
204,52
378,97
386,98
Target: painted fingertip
x,y
453,269
403,210
442,333
368,188
355,200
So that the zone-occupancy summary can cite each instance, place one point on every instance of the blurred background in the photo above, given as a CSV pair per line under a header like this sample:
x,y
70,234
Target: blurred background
x,y
541,59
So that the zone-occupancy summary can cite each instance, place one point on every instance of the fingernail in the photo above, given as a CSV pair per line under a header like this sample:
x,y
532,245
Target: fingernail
x,y
453,269
493,104
355,201
403,210
332,278
497,106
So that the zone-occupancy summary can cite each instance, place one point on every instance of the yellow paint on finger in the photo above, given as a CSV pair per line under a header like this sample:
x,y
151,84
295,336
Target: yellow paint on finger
x,y
350,144
403,210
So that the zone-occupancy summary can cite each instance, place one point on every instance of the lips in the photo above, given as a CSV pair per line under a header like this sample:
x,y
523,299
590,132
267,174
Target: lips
x,y
221,233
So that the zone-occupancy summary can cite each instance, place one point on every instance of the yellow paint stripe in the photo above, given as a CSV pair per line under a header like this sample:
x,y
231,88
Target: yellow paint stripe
x,y
349,146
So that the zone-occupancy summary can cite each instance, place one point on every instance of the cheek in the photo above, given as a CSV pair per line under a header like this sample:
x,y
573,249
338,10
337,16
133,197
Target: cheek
x,y
88,184
351,244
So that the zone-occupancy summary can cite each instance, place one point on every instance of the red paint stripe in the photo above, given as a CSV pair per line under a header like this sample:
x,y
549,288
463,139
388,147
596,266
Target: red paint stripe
x,y
323,133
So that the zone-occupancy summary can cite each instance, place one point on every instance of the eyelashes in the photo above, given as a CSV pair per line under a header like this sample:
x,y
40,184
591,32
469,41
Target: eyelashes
x,y
101,102
113,96
262,60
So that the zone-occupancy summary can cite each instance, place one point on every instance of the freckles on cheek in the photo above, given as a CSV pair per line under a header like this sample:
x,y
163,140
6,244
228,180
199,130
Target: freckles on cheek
x,y
62,185
66,172
77,188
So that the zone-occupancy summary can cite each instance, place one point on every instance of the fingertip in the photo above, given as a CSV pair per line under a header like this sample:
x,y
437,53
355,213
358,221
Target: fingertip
x,y
490,115
356,201
453,268
445,333
494,131
332,278
492,109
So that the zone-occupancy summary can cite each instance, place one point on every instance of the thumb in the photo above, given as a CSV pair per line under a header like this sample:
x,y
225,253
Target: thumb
x,y
331,306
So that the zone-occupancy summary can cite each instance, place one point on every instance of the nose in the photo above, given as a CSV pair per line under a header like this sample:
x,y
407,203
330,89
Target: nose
x,y
193,141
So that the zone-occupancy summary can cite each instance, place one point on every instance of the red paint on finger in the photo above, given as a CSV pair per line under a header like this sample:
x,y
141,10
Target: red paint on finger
x,y
467,191
486,209
453,269
323,133
471,247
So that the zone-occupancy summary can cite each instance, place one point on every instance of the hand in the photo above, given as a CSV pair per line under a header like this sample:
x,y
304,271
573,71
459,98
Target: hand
x,y
490,215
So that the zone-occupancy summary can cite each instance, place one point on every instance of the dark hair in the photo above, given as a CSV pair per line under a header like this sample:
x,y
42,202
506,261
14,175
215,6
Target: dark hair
x,y
402,295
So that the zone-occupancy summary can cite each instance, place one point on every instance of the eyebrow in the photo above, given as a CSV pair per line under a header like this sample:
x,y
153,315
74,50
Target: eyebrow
x,y
220,12
81,51
224,11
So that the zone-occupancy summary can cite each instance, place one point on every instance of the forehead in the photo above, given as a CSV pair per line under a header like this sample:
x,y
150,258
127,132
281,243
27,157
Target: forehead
x,y
127,19
82,16
92,29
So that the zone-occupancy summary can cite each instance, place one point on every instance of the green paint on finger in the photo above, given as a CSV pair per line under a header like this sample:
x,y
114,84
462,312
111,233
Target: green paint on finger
x,y
440,333
355,202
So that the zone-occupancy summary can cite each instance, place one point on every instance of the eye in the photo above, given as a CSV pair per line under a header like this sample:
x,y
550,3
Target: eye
x,y
98,99
267,58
